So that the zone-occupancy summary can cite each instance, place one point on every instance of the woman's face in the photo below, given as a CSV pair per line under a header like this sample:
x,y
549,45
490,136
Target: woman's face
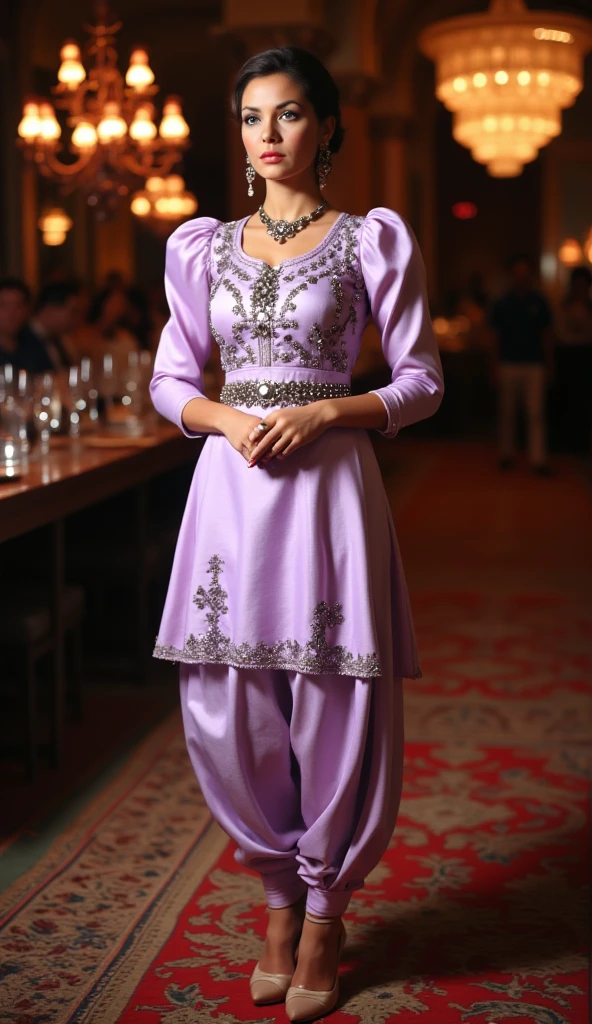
x,y
280,129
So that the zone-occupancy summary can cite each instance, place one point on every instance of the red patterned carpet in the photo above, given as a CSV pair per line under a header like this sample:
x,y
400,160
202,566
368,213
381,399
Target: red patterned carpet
x,y
479,910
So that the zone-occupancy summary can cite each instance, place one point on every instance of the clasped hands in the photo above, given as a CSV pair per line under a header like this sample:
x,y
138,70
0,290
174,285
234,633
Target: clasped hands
x,y
287,430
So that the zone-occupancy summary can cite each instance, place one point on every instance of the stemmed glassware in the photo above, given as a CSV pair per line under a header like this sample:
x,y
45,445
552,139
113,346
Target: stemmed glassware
x,y
47,408
15,412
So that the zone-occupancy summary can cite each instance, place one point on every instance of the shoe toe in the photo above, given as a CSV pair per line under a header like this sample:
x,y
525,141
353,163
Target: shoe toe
x,y
307,1005
268,988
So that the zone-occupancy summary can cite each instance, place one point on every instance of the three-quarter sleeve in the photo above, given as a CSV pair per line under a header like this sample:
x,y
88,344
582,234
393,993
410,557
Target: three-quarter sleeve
x,y
395,279
185,342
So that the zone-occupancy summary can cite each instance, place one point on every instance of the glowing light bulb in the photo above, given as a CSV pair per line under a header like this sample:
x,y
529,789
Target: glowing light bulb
x,y
142,129
140,204
49,129
139,74
30,125
71,71
173,126
112,126
84,136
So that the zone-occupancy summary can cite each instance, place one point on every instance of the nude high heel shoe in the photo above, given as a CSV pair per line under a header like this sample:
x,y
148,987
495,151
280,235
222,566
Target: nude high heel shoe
x,y
306,1003
269,988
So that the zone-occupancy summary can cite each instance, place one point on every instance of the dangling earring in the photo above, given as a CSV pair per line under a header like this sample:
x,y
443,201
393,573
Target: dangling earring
x,y
324,165
251,174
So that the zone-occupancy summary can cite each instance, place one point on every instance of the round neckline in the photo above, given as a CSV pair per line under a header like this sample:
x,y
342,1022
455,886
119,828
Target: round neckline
x,y
238,245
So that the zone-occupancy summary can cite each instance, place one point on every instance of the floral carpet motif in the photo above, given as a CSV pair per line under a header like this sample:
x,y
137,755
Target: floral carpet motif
x,y
478,912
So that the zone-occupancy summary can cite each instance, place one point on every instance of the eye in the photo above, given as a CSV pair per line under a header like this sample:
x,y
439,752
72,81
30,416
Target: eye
x,y
249,119
292,114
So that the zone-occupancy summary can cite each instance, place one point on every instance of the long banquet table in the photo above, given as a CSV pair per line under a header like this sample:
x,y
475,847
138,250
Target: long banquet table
x,y
74,476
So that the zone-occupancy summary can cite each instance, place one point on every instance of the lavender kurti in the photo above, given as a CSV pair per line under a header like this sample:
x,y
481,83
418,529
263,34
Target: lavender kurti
x,y
295,564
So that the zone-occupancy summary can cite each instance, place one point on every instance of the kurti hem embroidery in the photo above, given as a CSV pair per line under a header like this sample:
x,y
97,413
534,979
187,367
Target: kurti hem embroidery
x,y
316,656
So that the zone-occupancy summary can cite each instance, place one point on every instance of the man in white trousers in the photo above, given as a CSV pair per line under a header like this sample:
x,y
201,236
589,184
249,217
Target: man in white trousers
x,y
522,324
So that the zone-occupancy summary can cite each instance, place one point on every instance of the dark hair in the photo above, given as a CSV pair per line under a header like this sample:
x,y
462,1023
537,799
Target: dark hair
x,y
14,284
56,294
304,68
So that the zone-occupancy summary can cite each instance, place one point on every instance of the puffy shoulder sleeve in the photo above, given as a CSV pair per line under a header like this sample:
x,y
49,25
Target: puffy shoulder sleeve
x,y
185,342
395,279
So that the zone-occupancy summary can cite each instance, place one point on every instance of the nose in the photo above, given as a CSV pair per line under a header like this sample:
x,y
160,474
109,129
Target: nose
x,y
270,132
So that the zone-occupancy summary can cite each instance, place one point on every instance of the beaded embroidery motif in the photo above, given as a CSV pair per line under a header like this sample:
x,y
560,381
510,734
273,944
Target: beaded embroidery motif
x,y
315,656
270,320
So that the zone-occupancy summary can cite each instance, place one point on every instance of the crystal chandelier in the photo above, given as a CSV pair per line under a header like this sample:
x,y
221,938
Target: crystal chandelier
x,y
507,74
114,144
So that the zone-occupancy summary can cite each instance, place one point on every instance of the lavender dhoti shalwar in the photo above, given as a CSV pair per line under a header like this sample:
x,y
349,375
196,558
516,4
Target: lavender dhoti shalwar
x,y
310,780
287,605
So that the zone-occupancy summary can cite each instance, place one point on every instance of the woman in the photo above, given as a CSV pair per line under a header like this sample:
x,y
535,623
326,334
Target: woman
x,y
287,606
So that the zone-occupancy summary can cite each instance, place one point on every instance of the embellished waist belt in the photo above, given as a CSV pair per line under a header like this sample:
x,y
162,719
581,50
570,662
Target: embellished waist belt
x,y
280,392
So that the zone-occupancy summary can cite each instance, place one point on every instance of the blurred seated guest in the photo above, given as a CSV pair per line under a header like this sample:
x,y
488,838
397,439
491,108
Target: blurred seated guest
x,y
15,299
138,316
106,333
44,336
574,361
521,321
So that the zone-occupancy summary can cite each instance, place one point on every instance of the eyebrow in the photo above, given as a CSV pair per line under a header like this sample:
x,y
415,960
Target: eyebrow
x,y
279,106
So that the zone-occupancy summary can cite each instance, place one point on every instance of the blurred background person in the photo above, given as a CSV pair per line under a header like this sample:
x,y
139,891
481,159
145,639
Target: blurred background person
x,y
57,313
106,331
521,320
15,299
574,363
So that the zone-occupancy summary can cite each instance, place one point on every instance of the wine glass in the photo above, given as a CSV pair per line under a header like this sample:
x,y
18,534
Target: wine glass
x,y
47,408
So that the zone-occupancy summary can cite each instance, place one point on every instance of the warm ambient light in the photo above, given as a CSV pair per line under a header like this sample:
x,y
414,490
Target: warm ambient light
x,y
164,199
101,139
30,126
112,126
173,125
570,252
139,74
464,211
84,136
49,128
71,71
507,79
142,129
55,225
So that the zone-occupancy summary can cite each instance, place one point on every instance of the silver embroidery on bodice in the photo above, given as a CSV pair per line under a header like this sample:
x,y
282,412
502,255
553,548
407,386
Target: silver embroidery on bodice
x,y
314,656
270,319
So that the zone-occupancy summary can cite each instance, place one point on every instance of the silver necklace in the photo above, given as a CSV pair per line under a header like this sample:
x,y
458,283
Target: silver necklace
x,y
280,230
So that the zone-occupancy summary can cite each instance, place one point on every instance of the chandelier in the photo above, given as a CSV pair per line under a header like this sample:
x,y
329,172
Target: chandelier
x,y
163,201
506,75
114,144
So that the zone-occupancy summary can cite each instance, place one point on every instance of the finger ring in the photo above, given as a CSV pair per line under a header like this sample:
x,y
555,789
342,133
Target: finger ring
x,y
262,426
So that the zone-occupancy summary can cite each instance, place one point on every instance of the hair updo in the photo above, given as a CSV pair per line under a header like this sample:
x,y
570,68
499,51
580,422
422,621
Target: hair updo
x,y
302,67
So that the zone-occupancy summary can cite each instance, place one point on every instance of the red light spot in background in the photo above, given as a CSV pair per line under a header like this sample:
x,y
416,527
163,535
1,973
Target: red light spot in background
x,y
464,211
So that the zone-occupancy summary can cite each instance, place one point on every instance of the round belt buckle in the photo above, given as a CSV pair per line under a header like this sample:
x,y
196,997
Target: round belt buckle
x,y
266,389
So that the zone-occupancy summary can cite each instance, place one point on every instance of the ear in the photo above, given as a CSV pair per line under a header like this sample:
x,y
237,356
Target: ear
x,y
327,129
